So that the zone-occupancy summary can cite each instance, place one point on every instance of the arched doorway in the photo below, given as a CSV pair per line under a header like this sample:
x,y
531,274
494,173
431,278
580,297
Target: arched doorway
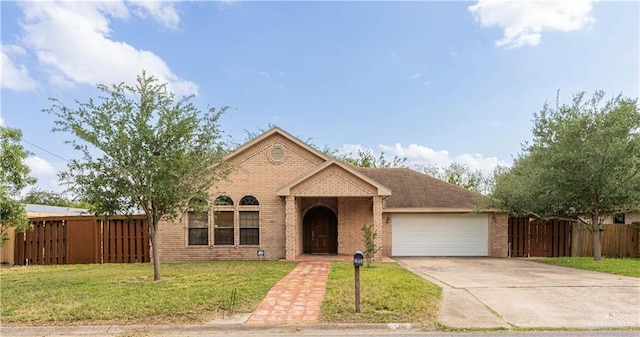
x,y
320,231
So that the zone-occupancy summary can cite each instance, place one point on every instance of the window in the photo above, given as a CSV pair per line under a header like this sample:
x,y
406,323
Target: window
x,y
249,221
249,228
223,233
223,200
618,218
249,201
198,223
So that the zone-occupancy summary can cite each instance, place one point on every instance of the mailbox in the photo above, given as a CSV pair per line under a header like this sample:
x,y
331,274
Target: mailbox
x,y
358,259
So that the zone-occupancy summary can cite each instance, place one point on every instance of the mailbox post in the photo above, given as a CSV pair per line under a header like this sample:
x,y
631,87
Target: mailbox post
x,y
358,261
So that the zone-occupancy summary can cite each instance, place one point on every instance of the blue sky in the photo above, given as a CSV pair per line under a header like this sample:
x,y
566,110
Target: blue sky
x,y
435,82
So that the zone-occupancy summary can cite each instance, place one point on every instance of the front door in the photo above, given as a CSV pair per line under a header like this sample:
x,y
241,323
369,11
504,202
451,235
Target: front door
x,y
320,231
320,235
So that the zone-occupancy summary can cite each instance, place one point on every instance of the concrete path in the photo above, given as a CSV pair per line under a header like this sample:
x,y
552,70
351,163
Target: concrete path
x,y
486,292
296,298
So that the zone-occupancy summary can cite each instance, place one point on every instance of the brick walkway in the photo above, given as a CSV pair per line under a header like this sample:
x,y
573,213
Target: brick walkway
x,y
296,298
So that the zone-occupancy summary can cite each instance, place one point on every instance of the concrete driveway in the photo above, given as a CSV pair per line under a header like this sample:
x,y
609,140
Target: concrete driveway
x,y
491,292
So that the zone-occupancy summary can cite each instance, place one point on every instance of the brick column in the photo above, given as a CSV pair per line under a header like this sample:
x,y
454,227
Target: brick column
x,y
498,234
291,235
377,225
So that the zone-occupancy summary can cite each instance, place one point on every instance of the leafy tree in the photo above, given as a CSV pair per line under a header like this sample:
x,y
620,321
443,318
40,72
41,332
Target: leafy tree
x,y
14,176
369,236
456,173
366,158
143,149
583,162
251,134
461,175
42,197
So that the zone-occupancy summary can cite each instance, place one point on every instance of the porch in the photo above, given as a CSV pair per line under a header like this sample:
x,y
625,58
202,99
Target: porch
x,y
329,226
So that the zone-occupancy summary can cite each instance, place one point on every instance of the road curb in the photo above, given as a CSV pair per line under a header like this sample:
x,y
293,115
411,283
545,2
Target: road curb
x,y
113,330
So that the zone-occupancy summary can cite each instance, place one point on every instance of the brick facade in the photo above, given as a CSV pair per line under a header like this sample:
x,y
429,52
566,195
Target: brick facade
x,y
387,224
289,179
281,217
498,235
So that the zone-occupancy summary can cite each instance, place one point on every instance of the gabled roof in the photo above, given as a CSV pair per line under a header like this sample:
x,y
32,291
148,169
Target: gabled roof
x,y
415,190
381,189
271,132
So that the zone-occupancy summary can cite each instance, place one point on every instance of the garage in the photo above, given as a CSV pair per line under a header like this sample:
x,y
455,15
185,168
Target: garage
x,y
439,235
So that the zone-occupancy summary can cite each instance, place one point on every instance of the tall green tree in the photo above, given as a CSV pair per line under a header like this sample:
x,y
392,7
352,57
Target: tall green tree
x,y
462,175
583,163
14,176
42,197
143,149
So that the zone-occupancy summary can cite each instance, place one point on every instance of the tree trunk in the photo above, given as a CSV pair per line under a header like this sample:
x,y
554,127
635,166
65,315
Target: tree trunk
x,y
595,232
154,251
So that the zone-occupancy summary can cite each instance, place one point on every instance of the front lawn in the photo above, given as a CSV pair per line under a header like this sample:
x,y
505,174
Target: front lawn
x,y
125,293
621,266
389,294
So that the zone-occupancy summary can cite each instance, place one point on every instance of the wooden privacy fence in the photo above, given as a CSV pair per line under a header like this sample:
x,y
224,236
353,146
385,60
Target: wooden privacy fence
x,y
532,237
616,241
83,239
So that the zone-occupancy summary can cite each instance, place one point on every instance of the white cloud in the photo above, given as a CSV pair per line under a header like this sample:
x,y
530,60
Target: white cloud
x,y
418,154
1,121
525,21
72,43
45,172
14,76
416,76
162,11
40,166
426,156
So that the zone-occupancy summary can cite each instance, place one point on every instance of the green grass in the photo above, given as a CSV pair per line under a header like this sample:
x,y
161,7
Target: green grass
x,y
389,294
125,293
620,266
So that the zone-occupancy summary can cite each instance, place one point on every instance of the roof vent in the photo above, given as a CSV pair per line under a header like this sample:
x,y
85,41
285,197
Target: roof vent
x,y
277,154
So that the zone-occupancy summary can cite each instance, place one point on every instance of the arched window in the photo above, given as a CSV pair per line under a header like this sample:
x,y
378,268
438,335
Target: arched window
x,y
198,222
249,211
223,200
223,232
249,201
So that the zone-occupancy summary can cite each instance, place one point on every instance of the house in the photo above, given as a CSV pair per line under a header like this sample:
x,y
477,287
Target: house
x,y
286,198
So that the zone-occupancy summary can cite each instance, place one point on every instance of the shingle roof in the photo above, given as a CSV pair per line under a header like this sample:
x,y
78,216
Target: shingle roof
x,y
411,189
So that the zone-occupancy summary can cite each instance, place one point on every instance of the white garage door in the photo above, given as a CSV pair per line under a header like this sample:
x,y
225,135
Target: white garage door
x,y
440,235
